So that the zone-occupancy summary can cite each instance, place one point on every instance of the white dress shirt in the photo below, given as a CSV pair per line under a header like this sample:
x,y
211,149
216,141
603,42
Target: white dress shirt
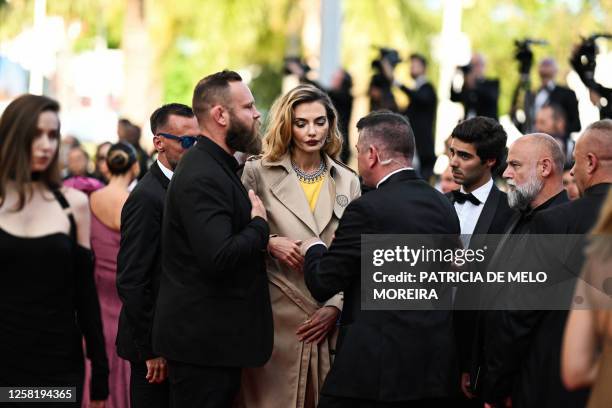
x,y
543,95
167,172
469,213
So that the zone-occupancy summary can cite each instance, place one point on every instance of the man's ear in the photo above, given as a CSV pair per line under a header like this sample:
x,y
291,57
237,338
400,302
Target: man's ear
x,y
158,143
218,113
372,155
546,166
490,163
592,162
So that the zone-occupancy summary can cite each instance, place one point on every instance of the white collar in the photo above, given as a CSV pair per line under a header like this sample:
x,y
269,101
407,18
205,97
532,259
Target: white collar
x,y
482,192
167,172
420,81
392,173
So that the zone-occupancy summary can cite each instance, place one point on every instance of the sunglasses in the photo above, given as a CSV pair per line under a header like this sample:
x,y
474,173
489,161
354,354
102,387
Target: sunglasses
x,y
186,141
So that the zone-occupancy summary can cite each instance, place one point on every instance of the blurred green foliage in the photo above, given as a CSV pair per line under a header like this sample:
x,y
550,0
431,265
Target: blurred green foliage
x,y
197,37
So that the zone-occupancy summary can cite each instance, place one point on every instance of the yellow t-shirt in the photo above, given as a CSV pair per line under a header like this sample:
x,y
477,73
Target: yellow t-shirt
x,y
312,191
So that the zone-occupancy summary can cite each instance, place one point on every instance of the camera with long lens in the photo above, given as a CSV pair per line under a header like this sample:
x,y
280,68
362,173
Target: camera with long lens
x,y
583,58
524,55
389,54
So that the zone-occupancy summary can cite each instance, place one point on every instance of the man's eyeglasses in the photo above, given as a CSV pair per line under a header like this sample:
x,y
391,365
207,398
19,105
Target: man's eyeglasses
x,y
186,141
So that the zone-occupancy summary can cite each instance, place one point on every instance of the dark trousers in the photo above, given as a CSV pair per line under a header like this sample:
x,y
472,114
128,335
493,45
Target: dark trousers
x,y
144,394
328,401
202,387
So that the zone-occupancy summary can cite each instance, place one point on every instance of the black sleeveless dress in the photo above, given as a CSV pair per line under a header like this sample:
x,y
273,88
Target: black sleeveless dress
x,y
48,303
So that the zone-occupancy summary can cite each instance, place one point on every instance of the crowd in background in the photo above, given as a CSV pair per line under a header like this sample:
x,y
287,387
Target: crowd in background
x,y
231,215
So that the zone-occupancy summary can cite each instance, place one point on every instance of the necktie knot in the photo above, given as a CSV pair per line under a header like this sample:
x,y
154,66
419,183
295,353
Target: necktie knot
x,y
463,197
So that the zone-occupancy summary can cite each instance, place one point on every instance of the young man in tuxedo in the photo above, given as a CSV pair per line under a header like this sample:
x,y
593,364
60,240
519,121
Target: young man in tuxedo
x,y
213,313
139,258
477,150
534,339
384,358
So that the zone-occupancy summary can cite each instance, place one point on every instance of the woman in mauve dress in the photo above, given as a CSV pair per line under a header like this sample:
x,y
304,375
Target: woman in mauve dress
x,y
106,205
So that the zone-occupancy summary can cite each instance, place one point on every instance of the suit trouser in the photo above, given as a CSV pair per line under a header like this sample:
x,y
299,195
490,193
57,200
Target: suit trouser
x,y
202,387
144,394
328,401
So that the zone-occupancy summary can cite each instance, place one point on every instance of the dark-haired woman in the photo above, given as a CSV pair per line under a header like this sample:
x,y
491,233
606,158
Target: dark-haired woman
x,y
48,300
106,205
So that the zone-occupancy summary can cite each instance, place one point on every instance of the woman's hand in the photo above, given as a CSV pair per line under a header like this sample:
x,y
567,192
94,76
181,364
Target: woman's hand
x,y
286,251
319,325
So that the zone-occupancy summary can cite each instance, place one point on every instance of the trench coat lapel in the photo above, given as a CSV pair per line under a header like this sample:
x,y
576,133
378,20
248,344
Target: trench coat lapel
x,y
334,196
289,192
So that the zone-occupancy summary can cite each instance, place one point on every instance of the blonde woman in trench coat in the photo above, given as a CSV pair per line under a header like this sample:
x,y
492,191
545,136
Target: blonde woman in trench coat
x,y
305,191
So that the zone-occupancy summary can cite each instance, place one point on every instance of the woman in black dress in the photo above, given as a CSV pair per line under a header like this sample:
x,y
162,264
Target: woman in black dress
x,y
48,300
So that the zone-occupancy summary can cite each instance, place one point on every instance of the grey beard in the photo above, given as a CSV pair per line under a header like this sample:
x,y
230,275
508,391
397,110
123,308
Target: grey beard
x,y
521,196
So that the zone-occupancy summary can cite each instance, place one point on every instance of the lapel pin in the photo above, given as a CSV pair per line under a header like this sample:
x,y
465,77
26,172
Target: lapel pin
x,y
342,200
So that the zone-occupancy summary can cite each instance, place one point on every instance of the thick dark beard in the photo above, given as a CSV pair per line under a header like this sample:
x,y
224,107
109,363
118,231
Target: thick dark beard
x,y
242,138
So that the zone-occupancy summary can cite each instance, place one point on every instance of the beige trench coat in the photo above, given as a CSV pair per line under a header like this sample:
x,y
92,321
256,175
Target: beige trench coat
x,y
283,381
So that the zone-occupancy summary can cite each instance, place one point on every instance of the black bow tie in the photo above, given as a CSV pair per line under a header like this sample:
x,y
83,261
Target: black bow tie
x,y
462,197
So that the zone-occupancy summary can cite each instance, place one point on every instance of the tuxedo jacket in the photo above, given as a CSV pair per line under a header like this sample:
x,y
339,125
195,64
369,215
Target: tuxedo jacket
x,y
385,355
494,215
139,264
213,307
493,219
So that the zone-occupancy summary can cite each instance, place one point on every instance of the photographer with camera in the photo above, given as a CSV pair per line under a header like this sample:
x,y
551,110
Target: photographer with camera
x,y
421,112
379,91
477,94
522,110
583,62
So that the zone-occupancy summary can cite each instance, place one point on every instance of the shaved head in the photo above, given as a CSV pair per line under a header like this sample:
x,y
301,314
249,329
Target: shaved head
x,y
593,156
540,146
535,170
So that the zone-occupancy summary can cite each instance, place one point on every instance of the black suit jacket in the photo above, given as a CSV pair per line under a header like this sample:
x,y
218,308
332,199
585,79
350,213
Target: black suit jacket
x,y
213,307
492,220
534,338
422,115
139,264
482,99
566,98
385,355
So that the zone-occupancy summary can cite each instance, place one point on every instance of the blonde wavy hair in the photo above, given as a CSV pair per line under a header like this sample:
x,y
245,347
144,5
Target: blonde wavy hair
x,y
278,136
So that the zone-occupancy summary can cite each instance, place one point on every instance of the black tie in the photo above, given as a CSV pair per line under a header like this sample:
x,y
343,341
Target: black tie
x,y
462,197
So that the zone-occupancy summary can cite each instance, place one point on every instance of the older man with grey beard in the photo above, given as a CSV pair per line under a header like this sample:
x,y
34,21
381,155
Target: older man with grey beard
x,y
535,182
535,178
